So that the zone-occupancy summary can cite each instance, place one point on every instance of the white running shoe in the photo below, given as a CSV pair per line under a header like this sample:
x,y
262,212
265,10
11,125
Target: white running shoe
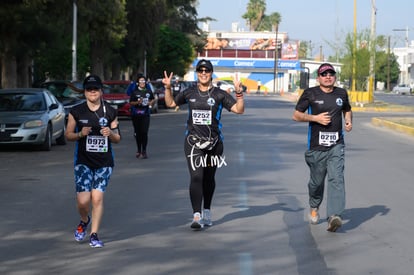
x,y
206,220
196,224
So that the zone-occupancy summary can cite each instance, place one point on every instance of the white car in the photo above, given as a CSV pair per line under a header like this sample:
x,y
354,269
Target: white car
x,y
402,89
224,86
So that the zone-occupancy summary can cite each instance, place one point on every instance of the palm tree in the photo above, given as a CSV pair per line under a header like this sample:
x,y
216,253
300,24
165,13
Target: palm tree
x,y
255,13
275,19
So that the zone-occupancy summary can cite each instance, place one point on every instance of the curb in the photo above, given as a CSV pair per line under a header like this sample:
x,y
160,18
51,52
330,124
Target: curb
x,y
402,109
383,122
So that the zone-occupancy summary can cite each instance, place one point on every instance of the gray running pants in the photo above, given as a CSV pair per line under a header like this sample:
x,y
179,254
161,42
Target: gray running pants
x,y
330,165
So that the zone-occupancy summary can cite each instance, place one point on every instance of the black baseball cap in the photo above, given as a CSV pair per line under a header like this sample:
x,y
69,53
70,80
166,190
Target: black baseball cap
x,y
92,81
204,63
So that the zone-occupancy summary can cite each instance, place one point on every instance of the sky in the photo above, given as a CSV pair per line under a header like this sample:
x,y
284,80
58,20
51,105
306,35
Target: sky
x,y
321,22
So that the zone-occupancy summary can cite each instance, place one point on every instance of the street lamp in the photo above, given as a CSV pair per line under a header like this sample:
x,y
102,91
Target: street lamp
x,y
74,41
404,75
406,34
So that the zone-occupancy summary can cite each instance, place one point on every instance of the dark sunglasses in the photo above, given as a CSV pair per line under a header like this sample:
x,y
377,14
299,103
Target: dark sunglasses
x,y
207,71
330,73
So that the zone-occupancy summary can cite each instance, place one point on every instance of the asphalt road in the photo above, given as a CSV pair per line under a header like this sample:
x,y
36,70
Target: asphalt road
x,y
404,100
259,210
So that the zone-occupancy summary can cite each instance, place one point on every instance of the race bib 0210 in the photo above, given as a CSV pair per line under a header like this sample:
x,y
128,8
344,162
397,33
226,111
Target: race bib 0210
x,y
328,138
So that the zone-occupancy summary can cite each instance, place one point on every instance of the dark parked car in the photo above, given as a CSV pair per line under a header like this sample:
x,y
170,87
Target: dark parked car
x,y
31,116
159,90
154,108
68,93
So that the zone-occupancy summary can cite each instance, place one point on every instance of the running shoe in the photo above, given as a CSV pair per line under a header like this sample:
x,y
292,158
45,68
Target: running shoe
x,y
138,155
196,224
144,155
80,231
314,216
334,222
206,220
94,241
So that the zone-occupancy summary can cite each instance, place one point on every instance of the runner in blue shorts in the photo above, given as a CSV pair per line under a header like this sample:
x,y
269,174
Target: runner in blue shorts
x,y
94,126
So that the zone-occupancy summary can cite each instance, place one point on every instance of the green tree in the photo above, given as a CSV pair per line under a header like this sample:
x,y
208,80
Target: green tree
x,y
304,50
255,13
54,55
383,67
270,22
175,55
21,33
37,30
145,30
275,19
362,59
104,24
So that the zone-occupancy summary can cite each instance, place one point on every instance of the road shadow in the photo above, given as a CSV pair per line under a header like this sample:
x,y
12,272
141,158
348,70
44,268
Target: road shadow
x,y
358,216
252,211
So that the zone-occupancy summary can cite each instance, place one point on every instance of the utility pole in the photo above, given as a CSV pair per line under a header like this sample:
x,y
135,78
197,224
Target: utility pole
x,y
354,52
275,84
388,64
372,52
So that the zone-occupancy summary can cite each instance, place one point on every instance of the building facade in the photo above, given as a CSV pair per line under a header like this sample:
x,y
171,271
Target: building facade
x,y
252,56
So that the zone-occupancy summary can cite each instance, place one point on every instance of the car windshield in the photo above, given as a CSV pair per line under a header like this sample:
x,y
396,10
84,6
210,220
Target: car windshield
x,y
63,90
25,102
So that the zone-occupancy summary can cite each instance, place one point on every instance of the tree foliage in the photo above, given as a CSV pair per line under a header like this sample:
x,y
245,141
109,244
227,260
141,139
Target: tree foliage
x,y
175,54
113,36
255,13
362,60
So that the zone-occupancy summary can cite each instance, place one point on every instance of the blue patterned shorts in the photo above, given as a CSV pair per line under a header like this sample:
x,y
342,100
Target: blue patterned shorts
x,y
87,179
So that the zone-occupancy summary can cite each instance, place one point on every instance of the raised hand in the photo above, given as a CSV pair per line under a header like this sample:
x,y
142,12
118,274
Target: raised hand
x,y
237,84
167,79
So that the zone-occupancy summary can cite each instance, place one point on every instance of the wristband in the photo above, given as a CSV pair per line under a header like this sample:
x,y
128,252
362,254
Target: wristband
x,y
80,135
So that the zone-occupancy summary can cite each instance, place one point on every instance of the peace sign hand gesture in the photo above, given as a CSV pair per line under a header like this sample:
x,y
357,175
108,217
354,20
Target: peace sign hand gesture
x,y
167,79
169,100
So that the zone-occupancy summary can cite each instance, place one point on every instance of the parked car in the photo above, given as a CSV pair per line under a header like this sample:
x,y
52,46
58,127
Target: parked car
x,y
115,93
243,87
31,116
68,93
159,90
402,89
154,108
187,84
224,85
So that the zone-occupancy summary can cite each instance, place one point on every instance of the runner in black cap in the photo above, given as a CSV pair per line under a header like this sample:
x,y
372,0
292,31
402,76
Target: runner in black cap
x,y
203,144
